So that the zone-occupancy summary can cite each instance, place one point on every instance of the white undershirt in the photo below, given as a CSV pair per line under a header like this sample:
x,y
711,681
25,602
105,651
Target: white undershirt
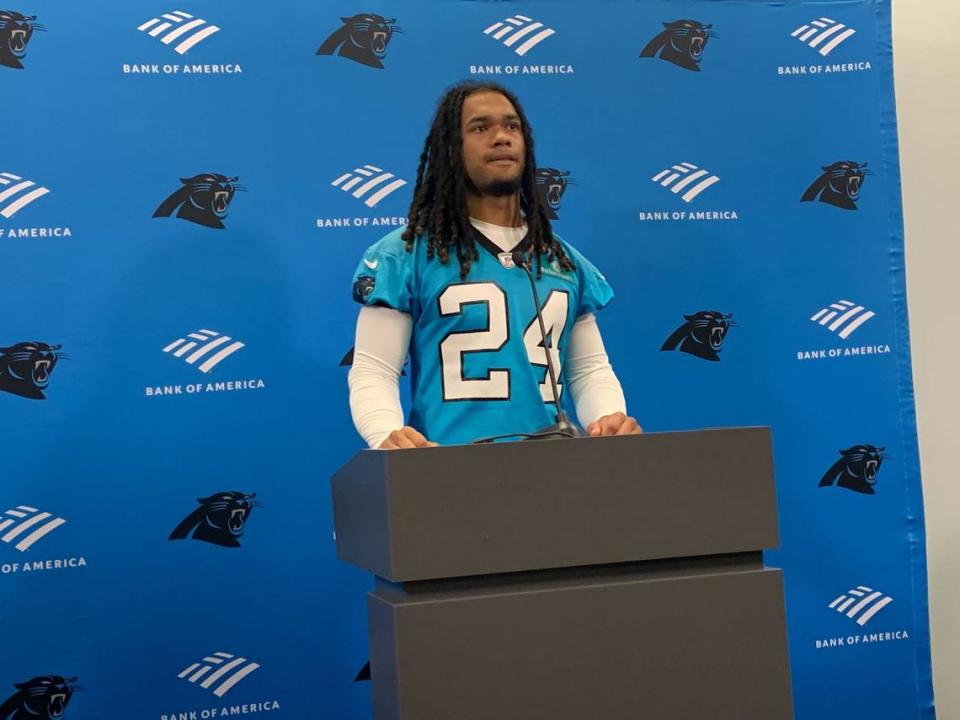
x,y
383,337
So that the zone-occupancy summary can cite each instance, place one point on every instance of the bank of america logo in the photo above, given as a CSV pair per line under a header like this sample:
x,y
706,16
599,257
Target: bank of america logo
x,y
369,179
16,193
179,26
221,669
200,344
825,35
843,317
861,603
24,525
685,177
519,28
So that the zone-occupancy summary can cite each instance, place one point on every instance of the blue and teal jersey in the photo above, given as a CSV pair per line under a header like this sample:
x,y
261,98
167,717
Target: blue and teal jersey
x,y
477,361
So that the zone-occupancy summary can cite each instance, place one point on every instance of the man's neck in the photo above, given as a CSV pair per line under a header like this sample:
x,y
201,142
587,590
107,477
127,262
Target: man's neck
x,y
503,210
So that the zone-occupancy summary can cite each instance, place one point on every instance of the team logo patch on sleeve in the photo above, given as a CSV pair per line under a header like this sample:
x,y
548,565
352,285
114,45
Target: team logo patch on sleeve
x,y
363,287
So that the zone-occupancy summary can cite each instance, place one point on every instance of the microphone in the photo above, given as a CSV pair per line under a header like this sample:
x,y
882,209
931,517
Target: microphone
x,y
562,426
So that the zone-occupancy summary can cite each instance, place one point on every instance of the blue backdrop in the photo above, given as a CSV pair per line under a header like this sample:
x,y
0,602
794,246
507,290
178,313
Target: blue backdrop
x,y
179,225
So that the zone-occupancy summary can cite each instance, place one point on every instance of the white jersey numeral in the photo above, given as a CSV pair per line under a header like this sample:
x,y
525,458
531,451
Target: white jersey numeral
x,y
496,384
554,313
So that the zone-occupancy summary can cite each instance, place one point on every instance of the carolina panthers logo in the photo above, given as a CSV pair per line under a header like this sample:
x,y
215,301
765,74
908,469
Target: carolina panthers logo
x,y
682,42
203,199
702,334
856,469
220,519
25,370
551,185
40,698
15,32
363,287
839,185
363,38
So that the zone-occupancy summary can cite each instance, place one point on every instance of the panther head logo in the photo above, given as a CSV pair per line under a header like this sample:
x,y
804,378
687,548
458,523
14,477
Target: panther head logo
x,y
25,369
839,185
856,469
15,32
551,185
41,698
363,287
364,38
702,334
203,199
220,519
682,42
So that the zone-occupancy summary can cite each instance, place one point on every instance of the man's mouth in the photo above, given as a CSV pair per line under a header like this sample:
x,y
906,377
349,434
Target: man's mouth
x,y
236,520
502,160
41,372
379,43
220,202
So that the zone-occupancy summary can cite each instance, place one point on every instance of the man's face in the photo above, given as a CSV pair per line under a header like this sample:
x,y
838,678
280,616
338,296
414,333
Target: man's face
x,y
493,148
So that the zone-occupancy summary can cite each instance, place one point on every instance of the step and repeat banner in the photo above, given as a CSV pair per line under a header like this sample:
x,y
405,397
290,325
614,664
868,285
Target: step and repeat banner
x,y
185,191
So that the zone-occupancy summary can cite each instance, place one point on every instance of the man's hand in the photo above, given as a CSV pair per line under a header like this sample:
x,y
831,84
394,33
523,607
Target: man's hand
x,y
614,424
406,437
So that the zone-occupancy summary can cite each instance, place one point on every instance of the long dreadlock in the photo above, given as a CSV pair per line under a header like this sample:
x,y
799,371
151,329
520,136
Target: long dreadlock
x,y
439,207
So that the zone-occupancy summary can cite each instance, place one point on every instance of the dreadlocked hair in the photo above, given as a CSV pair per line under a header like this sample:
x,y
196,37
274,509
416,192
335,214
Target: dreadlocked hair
x,y
439,207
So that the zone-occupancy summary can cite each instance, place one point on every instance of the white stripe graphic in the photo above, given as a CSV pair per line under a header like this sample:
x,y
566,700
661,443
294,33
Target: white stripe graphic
x,y
364,171
181,30
211,333
842,319
858,593
492,28
183,47
826,19
182,13
845,333
185,349
221,671
208,347
534,41
188,670
200,673
660,175
799,30
699,188
224,654
500,33
17,513
367,186
225,353
692,177
522,33
681,168
826,33
14,207
827,318
237,677
26,508
383,192
198,336
669,179
514,21
175,18
158,29
865,618
24,526
862,604
819,24
11,176
148,24
11,191
838,601
40,532
828,48
809,34
214,660
174,344
5,524
340,179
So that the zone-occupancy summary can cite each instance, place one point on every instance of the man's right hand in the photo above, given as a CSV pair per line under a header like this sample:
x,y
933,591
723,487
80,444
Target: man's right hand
x,y
405,437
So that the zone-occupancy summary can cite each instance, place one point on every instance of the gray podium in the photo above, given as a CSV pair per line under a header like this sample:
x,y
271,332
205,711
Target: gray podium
x,y
597,578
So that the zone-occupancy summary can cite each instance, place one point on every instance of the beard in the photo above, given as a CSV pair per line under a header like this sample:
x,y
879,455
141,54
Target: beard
x,y
497,188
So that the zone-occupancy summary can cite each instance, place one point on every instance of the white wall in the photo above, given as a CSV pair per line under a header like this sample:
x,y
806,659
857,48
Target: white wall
x,y
927,67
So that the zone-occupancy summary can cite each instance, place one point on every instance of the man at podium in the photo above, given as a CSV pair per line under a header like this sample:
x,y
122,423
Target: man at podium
x,y
478,290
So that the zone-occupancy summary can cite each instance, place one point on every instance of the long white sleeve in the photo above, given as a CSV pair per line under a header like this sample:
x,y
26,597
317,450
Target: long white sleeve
x,y
380,349
590,379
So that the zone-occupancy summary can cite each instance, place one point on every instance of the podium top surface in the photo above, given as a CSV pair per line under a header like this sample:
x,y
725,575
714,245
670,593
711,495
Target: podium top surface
x,y
463,510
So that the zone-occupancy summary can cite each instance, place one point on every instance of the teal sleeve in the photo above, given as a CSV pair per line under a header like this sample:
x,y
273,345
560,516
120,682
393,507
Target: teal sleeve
x,y
595,291
383,275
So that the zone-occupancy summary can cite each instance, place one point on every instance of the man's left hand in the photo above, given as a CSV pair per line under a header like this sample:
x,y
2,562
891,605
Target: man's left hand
x,y
614,424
